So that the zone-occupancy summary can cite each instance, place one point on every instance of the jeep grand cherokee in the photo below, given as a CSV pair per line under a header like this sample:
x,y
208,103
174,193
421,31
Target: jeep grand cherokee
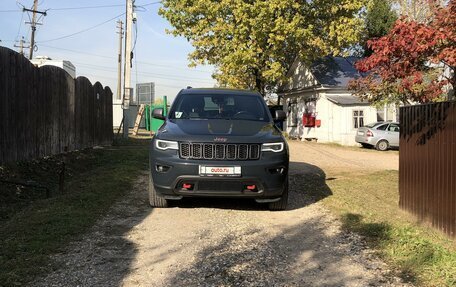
x,y
219,143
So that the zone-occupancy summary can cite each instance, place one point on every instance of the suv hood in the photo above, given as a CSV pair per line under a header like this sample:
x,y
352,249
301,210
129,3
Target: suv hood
x,y
219,130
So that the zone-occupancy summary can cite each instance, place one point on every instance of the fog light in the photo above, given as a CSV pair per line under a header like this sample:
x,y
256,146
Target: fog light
x,y
162,168
251,187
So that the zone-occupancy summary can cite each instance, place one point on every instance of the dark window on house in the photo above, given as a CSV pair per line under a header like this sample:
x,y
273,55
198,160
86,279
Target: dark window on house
x,y
380,115
358,119
292,114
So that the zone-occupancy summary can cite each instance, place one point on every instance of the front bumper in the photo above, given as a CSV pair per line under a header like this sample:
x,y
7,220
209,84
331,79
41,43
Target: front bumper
x,y
262,173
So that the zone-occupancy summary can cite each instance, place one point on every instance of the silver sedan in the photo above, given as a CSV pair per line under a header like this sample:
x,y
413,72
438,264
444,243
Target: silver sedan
x,y
381,135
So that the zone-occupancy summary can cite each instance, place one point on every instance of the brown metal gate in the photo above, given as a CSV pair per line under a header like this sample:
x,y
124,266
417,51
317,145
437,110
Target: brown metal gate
x,y
427,163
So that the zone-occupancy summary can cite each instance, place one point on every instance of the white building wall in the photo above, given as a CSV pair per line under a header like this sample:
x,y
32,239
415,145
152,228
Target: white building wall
x,y
337,124
299,130
117,114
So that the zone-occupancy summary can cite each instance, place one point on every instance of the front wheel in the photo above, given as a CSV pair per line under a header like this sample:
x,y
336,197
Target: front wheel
x,y
154,199
382,145
282,203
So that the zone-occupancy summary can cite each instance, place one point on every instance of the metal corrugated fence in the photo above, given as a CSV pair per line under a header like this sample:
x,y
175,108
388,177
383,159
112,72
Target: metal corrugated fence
x,y
427,163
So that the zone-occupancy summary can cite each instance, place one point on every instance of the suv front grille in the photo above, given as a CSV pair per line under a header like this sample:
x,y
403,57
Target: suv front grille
x,y
219,151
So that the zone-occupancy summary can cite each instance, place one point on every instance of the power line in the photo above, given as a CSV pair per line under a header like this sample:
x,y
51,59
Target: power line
x,y
78,52
159,76
136,36
153,3
157,84
85,7
84,30
169,67
9,11
139,62
112,69
20,26
134,49
101,6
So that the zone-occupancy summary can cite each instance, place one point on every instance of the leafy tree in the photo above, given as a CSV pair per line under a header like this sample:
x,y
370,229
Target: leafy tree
x,y
417,10
414,62
252,43
380,18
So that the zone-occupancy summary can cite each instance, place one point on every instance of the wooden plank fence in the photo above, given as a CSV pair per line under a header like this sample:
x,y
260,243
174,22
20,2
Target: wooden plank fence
x,y
427,164
44,111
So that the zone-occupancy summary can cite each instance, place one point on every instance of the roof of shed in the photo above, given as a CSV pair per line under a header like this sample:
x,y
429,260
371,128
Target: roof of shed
x,y
345,100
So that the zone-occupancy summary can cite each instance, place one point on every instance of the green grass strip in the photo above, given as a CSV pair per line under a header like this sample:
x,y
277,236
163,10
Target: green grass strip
x,y
368,205
96,180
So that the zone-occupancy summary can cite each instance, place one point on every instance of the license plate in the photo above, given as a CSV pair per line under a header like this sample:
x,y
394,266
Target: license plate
x,y
219,170
360,133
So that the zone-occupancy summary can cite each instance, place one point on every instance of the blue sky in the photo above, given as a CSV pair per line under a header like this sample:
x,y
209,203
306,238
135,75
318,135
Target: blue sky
x,y
159,57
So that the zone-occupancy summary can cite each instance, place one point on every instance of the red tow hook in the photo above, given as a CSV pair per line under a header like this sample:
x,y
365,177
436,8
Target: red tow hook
x,y
251,187
187,186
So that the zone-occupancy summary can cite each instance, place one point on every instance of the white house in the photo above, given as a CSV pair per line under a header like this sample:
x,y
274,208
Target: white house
x,y
67,66
319,105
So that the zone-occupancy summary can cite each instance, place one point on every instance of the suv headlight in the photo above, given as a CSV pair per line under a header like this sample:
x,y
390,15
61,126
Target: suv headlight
x,y
164,145
274,147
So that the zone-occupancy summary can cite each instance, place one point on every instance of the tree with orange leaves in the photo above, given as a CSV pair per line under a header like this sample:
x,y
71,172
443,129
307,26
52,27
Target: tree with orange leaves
x,y
414,62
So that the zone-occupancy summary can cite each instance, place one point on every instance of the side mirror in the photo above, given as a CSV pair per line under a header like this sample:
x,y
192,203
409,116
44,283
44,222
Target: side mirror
x,y
158,114
280,115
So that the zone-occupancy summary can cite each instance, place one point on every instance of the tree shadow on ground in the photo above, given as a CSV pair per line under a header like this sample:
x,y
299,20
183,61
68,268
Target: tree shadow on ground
x,y
104,256
378,234
307,185
305,254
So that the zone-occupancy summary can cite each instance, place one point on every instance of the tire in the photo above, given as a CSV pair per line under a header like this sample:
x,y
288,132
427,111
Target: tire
x,y
154,199
282,203
382,145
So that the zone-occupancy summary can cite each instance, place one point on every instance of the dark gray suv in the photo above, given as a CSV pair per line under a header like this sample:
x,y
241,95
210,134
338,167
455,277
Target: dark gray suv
x,y
219,143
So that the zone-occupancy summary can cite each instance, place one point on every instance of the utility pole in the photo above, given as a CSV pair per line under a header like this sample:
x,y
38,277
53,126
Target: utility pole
x,y
21,46
33,24
127,70
119,61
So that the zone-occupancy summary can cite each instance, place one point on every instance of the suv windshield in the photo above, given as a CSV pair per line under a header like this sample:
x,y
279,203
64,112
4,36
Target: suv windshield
x,y
241,107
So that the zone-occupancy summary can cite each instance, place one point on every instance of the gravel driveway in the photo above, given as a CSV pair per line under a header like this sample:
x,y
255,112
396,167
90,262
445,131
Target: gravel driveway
x,y
230,243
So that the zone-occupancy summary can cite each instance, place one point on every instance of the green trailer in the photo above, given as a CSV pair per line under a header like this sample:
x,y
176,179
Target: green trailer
x,y
151,123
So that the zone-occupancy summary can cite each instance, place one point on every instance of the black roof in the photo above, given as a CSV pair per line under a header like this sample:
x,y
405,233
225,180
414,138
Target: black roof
x,y
217,91
335,71
346,100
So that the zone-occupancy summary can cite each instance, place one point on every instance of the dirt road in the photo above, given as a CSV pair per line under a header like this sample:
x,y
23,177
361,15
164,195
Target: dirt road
x,y
231,243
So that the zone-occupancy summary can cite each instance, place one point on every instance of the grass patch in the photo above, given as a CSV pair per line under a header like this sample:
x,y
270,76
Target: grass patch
x,y
368,205
359,148
37,227
340,146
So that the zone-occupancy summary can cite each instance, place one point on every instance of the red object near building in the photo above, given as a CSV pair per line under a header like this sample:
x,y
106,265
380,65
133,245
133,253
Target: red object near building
x,y
308,120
